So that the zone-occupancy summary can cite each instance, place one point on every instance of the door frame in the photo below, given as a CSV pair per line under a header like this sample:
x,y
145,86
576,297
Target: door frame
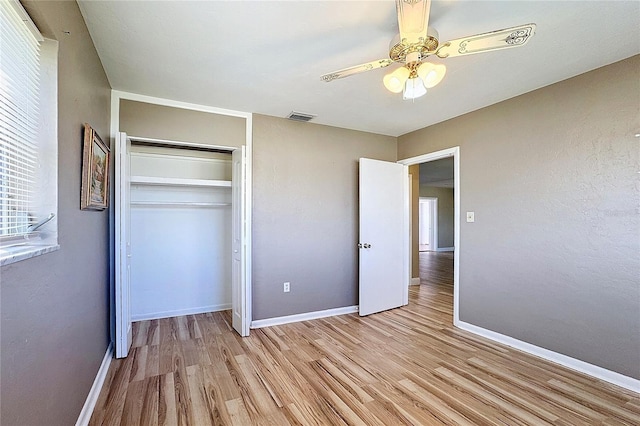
x,y
433,215
116,97
437,155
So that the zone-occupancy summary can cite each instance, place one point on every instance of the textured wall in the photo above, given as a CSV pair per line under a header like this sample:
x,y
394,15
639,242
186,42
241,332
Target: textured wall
x,y
305,214
446,212
162,122
55,308
553,256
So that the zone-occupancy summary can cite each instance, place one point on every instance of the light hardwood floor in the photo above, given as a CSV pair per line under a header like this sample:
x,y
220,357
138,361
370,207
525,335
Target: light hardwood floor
x,y
404,366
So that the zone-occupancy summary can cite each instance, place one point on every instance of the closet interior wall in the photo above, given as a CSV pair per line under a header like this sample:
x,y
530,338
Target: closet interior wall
x,y
180,231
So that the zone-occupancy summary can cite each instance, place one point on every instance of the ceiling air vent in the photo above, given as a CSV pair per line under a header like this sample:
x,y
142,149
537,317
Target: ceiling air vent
x,y
300,116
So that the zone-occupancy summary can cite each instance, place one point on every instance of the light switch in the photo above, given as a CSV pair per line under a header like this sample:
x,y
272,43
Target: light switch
x,y
471,217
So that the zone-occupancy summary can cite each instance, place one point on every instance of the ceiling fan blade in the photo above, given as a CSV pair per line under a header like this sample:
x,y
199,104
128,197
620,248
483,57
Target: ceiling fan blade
x,y
346,72
494,40
413,18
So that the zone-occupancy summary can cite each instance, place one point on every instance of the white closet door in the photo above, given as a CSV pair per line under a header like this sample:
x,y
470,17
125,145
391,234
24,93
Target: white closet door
x,y
239,312
123,246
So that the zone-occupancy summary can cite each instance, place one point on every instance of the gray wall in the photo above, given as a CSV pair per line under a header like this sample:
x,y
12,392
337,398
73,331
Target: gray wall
x,y
553,256
445,212
54,322
305,214
162,122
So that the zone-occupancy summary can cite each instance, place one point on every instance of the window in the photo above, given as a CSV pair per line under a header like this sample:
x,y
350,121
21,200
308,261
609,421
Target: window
x,y
28,137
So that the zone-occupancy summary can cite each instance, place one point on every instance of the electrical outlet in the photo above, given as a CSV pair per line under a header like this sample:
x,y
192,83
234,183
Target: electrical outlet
x,y
287,287
471,217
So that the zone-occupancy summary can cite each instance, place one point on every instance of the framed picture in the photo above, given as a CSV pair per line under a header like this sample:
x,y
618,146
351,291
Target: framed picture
x,y
95,172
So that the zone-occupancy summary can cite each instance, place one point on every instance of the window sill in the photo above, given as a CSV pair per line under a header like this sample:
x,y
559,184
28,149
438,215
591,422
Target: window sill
x,y
14,254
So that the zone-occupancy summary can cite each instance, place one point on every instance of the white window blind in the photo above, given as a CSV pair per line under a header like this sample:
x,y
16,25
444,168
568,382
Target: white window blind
x,y
19,120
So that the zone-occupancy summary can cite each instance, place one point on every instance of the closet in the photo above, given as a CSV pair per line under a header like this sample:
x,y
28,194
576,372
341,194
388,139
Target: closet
x,y
182,223
180,230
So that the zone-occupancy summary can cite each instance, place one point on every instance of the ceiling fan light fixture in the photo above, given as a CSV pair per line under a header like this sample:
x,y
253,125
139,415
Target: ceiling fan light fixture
x,y
413,88
431,74
395,81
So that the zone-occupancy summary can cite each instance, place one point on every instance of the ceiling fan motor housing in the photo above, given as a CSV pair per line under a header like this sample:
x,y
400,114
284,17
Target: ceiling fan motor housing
x,y
400,49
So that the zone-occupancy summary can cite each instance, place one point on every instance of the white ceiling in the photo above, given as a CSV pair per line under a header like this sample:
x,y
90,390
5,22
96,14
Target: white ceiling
x,y
267,56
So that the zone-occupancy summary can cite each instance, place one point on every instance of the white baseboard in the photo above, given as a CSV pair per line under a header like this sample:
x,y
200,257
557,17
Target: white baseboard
x,y
180,312
303,317
564,360
439,249
415,281
94,392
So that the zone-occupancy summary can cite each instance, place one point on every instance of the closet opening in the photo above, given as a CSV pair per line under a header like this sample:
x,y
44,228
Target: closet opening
x,y
180,229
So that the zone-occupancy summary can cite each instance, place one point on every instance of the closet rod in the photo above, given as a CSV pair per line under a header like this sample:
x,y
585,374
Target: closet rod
x,y
176,204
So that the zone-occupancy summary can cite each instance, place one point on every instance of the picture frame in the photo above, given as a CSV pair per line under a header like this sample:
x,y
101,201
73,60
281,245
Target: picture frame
x,y
95,171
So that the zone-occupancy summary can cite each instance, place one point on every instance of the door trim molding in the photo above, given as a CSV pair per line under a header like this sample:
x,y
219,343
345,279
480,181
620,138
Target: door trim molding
x,y
446,153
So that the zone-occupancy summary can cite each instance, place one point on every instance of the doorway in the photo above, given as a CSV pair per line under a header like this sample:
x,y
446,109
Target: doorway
x,y
187,208
454,154
241,203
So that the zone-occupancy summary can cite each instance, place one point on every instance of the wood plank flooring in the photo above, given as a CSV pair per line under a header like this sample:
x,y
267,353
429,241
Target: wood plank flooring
x,y
404,366
436,269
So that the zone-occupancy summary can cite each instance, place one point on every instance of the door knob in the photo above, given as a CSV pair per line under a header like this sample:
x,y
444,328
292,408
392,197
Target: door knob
x,y
360,245
367,245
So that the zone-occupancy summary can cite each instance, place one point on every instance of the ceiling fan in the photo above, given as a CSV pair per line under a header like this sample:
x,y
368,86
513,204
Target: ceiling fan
x,y
417,41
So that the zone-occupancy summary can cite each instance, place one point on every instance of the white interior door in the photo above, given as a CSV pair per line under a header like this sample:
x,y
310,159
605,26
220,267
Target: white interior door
x,y
123,245
384,236
239,296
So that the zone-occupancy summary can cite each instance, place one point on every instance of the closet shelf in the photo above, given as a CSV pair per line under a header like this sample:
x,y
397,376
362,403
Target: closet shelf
x,y
166,181
177,204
